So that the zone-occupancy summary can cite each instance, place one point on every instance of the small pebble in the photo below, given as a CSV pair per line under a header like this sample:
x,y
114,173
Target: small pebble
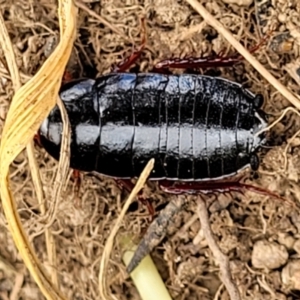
x,y
268,255
287,240
290,275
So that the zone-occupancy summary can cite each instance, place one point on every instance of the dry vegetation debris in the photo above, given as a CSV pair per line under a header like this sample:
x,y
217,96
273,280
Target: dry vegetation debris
x,y
259,235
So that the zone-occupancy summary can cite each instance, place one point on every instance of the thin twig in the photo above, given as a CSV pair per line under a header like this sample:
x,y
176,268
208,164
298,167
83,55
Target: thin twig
x,y
63,165
109,242
220,257
16,291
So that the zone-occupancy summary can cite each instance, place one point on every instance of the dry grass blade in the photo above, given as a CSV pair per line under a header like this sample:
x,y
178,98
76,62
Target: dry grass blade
x,y
109,243
61,174
10,58
64,162
244,52
30,106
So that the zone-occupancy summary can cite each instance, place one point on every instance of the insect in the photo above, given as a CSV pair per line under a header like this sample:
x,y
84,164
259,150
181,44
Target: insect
x,y
196,127
200,130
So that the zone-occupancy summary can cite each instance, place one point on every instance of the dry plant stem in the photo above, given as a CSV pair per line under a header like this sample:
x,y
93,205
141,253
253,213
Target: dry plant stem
x,y
244,52
36,176
278,119
29,107
63,165
288,144
60,179
218,293
9,55
4,73
109,243
14,295
156,231
221,259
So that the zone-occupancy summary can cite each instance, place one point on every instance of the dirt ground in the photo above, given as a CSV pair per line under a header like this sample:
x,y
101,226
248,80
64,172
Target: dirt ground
x,y
259,234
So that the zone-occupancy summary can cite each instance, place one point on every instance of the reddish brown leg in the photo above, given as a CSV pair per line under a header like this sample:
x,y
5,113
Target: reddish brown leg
x,y
128,186
198,62
67,77
37,139
217,186
77,179
128,62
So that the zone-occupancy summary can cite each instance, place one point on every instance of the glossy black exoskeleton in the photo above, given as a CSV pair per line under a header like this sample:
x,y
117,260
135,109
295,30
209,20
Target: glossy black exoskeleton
x,y
196,127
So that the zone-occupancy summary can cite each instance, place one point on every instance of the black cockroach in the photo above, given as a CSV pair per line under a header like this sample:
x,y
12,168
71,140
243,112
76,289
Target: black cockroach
x,y
201,130
197,128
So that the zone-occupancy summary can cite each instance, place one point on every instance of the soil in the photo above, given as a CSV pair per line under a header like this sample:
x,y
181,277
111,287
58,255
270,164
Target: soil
x,y
259,234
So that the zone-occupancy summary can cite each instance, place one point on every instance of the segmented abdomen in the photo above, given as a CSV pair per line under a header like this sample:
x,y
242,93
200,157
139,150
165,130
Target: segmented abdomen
x,y
196,127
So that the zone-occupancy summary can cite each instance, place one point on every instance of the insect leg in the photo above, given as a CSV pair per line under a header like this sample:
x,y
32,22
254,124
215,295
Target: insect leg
x,y
77,180
156,231
67,77
125,65
208,187
212,61
37,139
128,186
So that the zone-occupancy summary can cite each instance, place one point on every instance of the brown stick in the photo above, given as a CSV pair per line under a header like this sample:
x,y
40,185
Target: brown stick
x,y
220,257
